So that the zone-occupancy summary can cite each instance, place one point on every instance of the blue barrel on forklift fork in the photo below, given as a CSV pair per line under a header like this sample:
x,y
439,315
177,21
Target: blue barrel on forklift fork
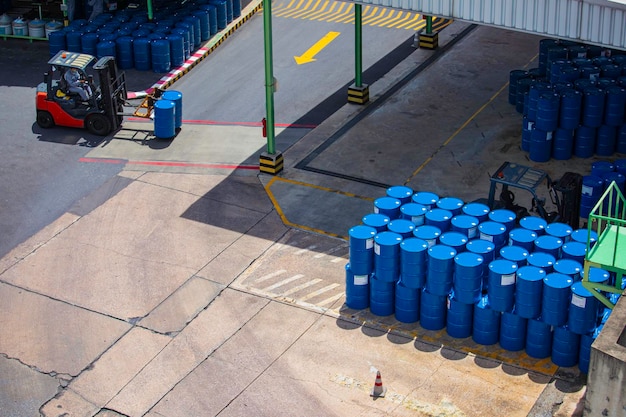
x,y
177,98
164,119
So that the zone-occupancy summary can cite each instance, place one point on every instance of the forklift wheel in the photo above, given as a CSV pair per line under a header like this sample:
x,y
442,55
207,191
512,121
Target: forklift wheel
x,y
98,124
44,119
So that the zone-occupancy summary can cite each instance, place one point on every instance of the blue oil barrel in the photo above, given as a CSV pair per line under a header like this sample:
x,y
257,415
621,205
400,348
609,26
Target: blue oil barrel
x,y
549,244
569,73
575,251
361,249
229,11
516,254
615,106
184,33
440,269
203,18
236,8
357,290
388,206
620,180
194,21
537,88
523,238
584,235
425,198
414,212
548,105
591,191
590,72
544,46
164,119
606,139
56,42
465,224
382,297
515,75
570,108
433,310
487,250
468,277
430,234
584,352
413,262
452,204
103,37
538,339
494,232
522,89
407,303
529,291
402,227
88,43
486,323
527,131
501,287
141,53
540,146
220,6
583,310
439,218
513,331
610,70
576,52
504,216
106,48
140,33
556,67
565,347
212,13
155,35
563,144
620,166
534,223
556,298
593,107
569,267
560,230
620,146
401,192
599,168
177,49
459,318
387,256
542,260
124,48
478,210
192,37
455,240
376,220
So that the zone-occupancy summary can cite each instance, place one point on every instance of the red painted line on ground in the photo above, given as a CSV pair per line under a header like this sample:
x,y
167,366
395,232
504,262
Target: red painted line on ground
x,y
218,123
103,160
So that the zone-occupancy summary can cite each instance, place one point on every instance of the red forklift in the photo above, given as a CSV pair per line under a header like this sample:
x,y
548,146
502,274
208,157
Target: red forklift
x,y
103,113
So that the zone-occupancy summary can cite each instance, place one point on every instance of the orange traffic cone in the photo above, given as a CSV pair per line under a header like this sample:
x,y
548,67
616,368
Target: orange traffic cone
x,y
378,390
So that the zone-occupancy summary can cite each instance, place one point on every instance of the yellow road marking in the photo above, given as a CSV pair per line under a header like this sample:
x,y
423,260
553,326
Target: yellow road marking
x,y
309,55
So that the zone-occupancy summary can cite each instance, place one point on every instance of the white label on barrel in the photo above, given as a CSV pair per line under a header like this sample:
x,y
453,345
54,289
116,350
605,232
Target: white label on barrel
x,y
417,220
369,243
377,249
376,210
360,279
471,232
579,301
448,303
508,279
431,242
484,236
548,136
530,125
587,190
511,242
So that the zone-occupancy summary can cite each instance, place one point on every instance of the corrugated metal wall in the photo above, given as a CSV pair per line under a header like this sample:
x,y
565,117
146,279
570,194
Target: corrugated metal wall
x,y
599,22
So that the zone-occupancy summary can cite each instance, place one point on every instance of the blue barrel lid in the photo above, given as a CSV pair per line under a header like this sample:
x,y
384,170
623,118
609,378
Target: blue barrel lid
x,y
530,273
609,177
597,275
568,267
427,232
172,95
548,242
520,234
541,259
480,246
592,181
478,210
401,226
503,267
454,239
426,198
414,245
164,104
581,235
602,166
574,248
579,290
387,238
442,252
502,216
362,232
386,203
450,203
464,221
413,209
557,280
376,220
469,259
514,253
491,228
558,229
620,165
438,215
533,223
401,192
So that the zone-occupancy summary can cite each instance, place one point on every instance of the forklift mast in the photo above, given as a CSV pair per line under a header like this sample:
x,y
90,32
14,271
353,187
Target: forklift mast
x,y
112,88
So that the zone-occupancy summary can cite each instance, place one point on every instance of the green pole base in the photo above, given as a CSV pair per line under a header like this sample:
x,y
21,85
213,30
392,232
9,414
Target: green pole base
x,y
358,95
271,163
429,40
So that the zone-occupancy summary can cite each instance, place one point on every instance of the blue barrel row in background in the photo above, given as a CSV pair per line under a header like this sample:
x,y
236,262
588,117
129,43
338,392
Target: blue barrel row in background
x,y
476,273
602,174
573,104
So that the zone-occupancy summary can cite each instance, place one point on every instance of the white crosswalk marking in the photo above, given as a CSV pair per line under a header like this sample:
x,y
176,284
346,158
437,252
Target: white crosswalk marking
x,y
283,282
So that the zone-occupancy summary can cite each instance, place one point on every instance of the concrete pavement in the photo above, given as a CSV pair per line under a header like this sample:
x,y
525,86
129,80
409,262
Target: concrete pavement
x,y
191,285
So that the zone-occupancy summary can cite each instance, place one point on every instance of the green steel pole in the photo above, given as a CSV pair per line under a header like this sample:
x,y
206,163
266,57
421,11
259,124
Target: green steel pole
x,y
269,76
429,25
150,14
358,46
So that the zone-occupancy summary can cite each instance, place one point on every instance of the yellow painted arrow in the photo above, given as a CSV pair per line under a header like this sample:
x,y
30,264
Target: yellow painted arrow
x,y
315,49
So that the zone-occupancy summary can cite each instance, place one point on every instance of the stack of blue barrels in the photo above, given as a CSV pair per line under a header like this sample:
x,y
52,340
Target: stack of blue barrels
x,y
573,103
477,273
172,36
603,173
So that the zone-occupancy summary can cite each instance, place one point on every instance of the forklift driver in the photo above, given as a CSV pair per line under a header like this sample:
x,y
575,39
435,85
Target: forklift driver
x,y
77,85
